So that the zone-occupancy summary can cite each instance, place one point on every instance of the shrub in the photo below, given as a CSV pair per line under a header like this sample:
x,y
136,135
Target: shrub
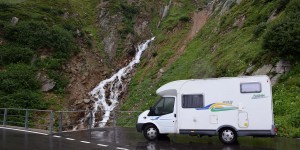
x,y
185,19
23,99
62,42
50,63
38,35
61,81
15,54
259,29
295,119
18,77
32,34
281,6
283,38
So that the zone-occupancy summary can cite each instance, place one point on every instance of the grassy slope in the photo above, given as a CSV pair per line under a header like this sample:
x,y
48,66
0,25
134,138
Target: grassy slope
x,y
82,14
235,50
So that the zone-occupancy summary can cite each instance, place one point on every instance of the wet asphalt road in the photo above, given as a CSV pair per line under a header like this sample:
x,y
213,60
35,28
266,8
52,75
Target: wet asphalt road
x,y
131,139
128,138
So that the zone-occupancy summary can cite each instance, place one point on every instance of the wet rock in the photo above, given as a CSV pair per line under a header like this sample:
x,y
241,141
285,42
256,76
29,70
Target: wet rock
x,y
47,83
226,6
214,48
239,22
78,32
86,101
273,16
161,70
238,1
66,15
164,12
14,21
275,79
282,66
264,70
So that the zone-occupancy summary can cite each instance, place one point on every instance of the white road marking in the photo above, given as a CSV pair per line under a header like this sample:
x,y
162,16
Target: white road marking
x,y
24,131
102,145
70,139
122,148
85,142
56,136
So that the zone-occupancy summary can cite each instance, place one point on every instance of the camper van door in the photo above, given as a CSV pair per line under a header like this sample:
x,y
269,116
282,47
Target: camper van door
x,y
164,112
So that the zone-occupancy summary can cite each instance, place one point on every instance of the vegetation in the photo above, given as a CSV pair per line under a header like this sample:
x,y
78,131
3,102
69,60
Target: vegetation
x,y
283,37
226,50
45,38
42,41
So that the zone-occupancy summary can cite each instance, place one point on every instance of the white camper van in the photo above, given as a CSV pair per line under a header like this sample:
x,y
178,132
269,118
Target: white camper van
x,y
227,107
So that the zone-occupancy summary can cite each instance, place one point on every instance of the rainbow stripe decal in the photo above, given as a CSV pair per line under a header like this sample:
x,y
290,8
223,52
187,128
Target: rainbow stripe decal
x,y
216,107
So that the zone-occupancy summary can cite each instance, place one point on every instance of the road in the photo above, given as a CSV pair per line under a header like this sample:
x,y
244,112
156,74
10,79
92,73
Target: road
x,y
128,138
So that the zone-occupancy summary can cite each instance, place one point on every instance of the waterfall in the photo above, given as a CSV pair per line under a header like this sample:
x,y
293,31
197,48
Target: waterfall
x,y
115,86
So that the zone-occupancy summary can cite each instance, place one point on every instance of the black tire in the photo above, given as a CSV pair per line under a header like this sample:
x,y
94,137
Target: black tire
x,y
228,136
150,132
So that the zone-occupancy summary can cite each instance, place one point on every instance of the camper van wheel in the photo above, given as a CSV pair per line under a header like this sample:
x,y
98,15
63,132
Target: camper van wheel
x,y
228,136
150,132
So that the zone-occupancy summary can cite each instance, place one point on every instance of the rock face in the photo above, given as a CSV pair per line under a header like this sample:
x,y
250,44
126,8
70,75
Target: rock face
x,y
264,70
164,12
273,71
108,25
226,6
118,36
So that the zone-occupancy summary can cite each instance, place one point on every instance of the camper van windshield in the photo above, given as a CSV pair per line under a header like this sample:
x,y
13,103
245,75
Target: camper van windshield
x,y
164,106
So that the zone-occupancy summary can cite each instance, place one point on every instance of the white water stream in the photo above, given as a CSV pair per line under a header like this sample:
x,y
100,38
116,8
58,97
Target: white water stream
x,y
115,86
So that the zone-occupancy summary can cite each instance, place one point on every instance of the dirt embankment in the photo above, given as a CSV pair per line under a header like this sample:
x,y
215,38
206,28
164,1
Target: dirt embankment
x,y
84,70
199,20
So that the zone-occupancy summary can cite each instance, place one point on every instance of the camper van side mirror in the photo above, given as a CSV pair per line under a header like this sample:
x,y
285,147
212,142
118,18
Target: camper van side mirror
x,y
151,112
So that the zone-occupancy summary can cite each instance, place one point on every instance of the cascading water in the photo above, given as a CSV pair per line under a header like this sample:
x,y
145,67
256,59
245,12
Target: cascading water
x,y
115,86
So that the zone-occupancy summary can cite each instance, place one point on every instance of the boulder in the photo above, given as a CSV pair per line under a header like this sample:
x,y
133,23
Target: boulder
x,y
48,85
161,70
14,21
86,100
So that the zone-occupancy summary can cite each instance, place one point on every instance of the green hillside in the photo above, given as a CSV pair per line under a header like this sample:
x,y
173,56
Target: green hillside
x,y
222,49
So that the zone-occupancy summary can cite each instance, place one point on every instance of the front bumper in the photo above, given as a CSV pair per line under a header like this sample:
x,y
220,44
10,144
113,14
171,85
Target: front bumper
x,y
139,127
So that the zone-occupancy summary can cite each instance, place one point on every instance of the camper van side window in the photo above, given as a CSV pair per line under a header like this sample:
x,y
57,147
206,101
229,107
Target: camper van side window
x,y
192,101
253,87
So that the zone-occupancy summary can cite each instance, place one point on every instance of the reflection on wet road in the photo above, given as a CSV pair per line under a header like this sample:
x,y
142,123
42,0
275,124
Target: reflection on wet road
x,y
130,138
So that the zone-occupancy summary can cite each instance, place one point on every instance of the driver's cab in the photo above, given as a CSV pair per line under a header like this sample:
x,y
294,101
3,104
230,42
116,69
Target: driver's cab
x,y
162,115
163,107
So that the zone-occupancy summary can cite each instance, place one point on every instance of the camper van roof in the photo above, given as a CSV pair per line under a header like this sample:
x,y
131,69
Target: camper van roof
x,y
171,88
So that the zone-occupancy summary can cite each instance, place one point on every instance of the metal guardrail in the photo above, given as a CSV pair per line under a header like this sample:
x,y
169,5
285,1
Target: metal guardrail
x,y
59,121
27,118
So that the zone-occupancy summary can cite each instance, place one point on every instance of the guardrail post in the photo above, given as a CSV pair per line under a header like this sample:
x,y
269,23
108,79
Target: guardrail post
x,y
51,123
91,119
4,117
90,123
115,118
60,122
26,119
